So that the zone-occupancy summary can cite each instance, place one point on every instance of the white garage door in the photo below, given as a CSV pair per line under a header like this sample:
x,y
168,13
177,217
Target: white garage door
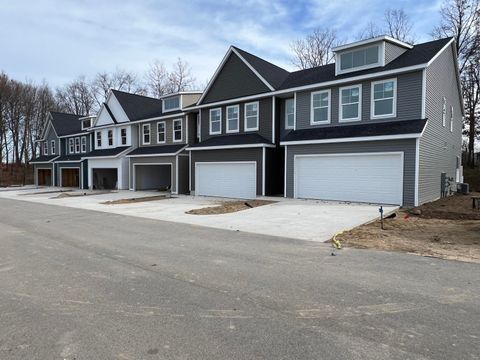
x,y
229,179
374,178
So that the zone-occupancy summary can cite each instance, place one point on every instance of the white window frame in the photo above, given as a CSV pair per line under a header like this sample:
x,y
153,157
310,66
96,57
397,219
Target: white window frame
x,y
381,59
86,127
210,121
164,133
45,148
286,114
238,119
245,116
126,136
83,144
181,130
144,126
98,140
71,146
77,145
329,107
444,111
108,138
340,108
451,118
372,100
180,100
53,147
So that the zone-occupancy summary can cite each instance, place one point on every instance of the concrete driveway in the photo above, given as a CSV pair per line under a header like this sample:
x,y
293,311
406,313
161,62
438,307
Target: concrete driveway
x,y
299,219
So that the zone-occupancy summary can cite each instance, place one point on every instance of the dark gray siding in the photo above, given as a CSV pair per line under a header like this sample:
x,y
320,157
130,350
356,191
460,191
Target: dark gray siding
x,y
168,132
49,137
264,119
192,127
406,146
249,154
234,80
66,148
439,148
409,102
392,51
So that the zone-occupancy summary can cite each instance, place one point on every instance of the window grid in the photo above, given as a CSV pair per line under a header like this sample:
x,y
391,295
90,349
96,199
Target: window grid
x,y
233,117
161,132
251,116
177,130
215,121
320,111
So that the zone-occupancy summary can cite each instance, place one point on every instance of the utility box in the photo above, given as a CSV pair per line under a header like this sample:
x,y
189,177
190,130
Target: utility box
x,y
463,188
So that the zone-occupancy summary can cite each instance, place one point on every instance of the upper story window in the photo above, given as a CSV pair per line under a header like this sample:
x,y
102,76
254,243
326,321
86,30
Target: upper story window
x,y
444,111
99,139
84,144
177,130
52,146
45,148
251,116
77,145
232,118
215,121
171,103
320,112
350,103
161,132
289,113
384,102
451,118
123,136
71,146
146,133
110,137
359,59
86,123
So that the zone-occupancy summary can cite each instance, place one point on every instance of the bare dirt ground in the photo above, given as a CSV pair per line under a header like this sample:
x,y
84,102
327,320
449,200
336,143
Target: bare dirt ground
x,y
226,207
447,228
79,194
136,200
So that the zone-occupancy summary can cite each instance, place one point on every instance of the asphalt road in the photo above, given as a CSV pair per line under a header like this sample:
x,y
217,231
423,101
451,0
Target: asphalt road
x,y
78,284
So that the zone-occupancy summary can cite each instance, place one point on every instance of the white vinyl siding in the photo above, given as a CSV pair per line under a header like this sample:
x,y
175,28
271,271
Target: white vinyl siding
x,y
384,99
350,103
233,118
215,121
251,116
320,107
161,132
177,130
289,113
146,134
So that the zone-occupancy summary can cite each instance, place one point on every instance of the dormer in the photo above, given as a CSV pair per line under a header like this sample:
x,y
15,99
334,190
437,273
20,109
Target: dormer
x,y
87,121
367,54
179,100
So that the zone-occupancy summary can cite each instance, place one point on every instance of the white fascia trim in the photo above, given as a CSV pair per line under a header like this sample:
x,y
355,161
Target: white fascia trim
x,y
68,161
353,139
440,52
108,157
417,170
273,119
372,40
162,154
176,115
231,147
77,134
285,173
253,70
263,171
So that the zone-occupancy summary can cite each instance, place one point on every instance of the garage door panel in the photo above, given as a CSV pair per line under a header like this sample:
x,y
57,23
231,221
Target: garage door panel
x,y
376,178
233,179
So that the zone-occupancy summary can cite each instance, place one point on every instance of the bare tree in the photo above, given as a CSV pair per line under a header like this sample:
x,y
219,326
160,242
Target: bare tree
x,y
119,80
398,25
157,79
315,49
76,97
370,31
180,78
471,96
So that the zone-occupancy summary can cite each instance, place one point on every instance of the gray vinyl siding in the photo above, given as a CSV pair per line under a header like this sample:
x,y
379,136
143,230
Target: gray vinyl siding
x,y
249,154
264,119
49,137
409,102
234,80
406,146
182,173
168,132
439,148
392,51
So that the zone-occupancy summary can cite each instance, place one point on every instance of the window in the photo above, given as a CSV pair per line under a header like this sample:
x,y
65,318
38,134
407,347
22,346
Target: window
x,y
350,103
361,58
289,114
110,137
177,130
232,118
161,132
86,123
384,102
451,118
251,116
171,104
123,136
444,111
84,144
215,121
77,145
99,139
320,112
45,148
146,133
71,146
52,146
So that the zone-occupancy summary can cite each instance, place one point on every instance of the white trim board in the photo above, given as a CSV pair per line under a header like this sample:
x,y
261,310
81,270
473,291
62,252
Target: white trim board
x,y
223,147
353,139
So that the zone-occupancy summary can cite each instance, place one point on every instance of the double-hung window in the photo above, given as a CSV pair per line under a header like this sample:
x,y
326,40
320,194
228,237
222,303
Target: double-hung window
x,y
123,136
161,132
289,113
177,130
99,139
146,133
45,148
251,116
320,112
71,146
52,146
110,137
77,145
84,144
350,103
215,121
384,99
451,118
232,118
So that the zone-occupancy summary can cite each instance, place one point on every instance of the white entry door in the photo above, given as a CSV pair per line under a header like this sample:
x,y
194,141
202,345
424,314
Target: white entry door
x,y
367,177
226,179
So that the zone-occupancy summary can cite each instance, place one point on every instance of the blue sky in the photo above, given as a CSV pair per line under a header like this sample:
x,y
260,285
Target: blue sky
x,y
59,40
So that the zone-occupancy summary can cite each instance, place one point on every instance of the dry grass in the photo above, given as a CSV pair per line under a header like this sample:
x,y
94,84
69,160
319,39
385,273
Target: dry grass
x,y
226,207
136,200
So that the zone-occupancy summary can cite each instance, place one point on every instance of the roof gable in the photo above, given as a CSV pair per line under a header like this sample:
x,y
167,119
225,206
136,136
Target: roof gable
x,y
137,107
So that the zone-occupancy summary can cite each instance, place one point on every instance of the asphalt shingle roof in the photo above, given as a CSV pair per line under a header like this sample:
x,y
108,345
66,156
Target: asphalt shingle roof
x,y
152,150
106,152
66,124
238,139
72,157
43,158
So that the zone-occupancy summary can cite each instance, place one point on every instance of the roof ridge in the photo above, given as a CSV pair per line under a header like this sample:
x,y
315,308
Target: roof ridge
x,y
262,59
132,94
66,113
